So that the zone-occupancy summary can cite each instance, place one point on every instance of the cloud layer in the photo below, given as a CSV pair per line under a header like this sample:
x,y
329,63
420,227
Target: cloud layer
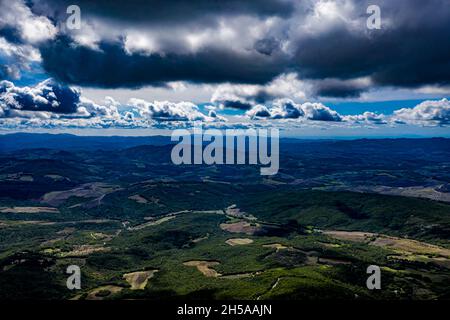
x,y
265,61
288,109
325,43
434,112
52,105
47,96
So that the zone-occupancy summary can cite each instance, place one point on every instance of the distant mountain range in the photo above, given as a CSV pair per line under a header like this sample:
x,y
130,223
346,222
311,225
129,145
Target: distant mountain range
x,y
20,141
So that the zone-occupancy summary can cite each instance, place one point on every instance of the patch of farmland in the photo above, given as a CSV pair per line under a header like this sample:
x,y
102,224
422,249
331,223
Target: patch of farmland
x,y
138,280
28,210
204,267
238,241
241,227
95,190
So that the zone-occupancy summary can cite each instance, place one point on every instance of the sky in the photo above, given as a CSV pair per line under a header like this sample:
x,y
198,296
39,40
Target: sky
x,y
312,68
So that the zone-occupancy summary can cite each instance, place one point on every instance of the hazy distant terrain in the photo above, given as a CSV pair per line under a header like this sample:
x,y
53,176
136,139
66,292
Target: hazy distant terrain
x,y
142,228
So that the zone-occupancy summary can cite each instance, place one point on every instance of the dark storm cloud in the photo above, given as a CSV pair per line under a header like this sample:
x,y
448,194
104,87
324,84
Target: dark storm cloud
x,y
336,88
410,50
267,46
112,66
168,12
338,91
400,59
236,104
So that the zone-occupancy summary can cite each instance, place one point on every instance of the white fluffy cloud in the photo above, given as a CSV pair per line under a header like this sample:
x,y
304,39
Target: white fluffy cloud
x,y
427,112
244,96
168,111
23,31
109,109
52,105
15,58
33,28
367,117
288,109
258,111
319,112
